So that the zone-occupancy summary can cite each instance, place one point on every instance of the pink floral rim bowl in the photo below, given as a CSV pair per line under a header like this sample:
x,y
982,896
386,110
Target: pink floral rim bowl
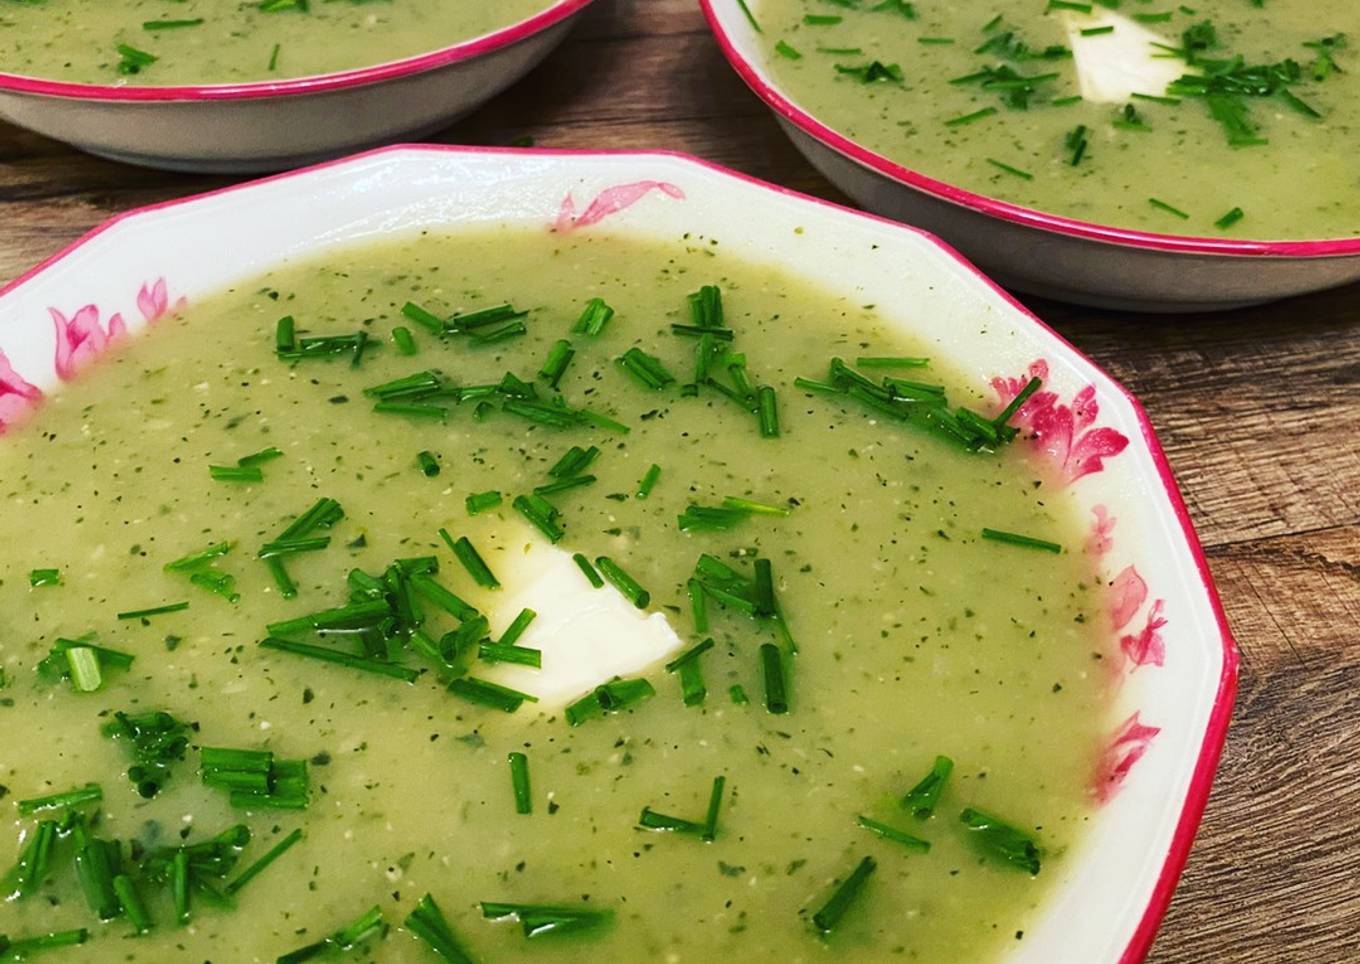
x,y
1029,250
1174,685
273,125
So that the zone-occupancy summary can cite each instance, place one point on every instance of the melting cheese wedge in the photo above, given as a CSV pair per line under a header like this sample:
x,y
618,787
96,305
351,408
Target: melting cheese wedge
x,y
1118,63
587,635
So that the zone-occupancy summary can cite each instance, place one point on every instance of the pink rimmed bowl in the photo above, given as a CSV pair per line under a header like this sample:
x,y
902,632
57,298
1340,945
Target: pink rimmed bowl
x,y
273,125
1173,666
1040,253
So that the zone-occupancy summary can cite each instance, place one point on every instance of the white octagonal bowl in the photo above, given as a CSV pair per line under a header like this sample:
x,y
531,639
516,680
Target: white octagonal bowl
x,y
1030,250
272,125
1174,685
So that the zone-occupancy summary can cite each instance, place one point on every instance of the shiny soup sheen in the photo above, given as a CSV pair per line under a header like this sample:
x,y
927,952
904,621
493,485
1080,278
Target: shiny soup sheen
x,y
776,795
1221,118
170,42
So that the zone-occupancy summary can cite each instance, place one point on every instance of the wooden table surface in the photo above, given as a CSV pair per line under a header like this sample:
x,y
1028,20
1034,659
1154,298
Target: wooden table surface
x,y
1258,411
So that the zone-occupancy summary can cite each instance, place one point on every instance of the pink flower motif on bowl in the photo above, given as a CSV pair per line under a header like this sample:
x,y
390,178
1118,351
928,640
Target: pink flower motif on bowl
x,y
611,200
17,396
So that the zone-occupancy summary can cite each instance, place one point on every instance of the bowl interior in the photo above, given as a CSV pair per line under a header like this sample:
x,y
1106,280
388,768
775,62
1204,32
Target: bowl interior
x,y
1174,689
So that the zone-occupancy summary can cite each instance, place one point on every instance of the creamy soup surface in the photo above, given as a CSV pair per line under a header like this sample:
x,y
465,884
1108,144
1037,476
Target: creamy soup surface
x,y
915,636
170,42
1222,118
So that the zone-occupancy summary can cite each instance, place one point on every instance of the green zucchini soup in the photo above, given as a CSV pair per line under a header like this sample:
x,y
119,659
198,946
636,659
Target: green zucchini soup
x,y
170,42
1221,118
629,600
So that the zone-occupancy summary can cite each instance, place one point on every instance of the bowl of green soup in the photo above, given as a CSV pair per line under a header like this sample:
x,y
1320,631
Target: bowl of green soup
x,y
458,554
195,85
1191,158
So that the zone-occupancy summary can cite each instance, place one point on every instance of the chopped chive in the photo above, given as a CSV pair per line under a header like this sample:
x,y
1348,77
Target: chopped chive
x,y
653,820
541,514
90,793
405,341
647,370
693,331
593,318
559,357
997,535
584,565
428,464
425,319
489,694
500,653
993,835
479,502
975,116
519,782
1018,402
134,908
179,885
1072,99
737,693
612,697
362,929
753,507
472,560
448,601
923,798
496,335
1229,219
133,60
1096,31
623,582
517,627
880,361
821,20
288,547
784,49
574,462
235,473
698,602
44,577
834,909
1009,170
749,16
472,320
648,482
274,57
153,611
693,690
562,485
258,867
21,947
1163,206
601,421
83,663
538,920
714,805
765,604
428,923
260,457
768,412
915,844
772,666
935,41
29,871
341,659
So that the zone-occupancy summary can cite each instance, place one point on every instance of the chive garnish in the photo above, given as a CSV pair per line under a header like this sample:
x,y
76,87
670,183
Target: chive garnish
x,y
85,672
1163,206
612,697
574,462
517,627
915,844
538,920
500,653
153,611
541,514
1029,542
821,20
362,929
559,357
562,485
998,838
428,923
1229,219
1076,143
431,590
784,49
648,482
519,782
1026,175
768,412
30,870
425,319
584,565
44,577
594,317
479,502
922,799
420,410
21,947
623,582
156,739
405,341
692,687
975,116
132,60
170,24
653,820
751,18
255,869
341,659
1096,31
493,695
834,909
428,464
235,473
698,605
472,560
90,793
715,798
772,667
737,693
134,908
647,370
